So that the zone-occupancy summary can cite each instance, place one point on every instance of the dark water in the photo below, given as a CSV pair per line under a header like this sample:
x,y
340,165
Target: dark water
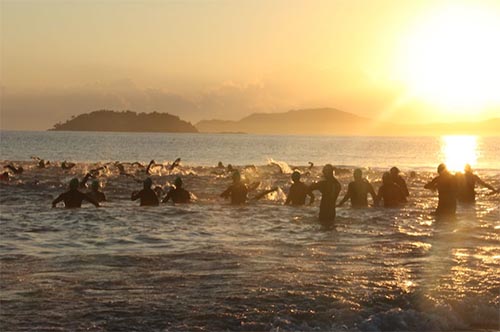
x,y
213,267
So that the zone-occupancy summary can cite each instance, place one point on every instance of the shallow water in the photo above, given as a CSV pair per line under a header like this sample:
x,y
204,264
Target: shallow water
x,y
264,266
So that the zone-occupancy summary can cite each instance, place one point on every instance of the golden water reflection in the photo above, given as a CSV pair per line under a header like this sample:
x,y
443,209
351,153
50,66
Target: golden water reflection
x,y
459,150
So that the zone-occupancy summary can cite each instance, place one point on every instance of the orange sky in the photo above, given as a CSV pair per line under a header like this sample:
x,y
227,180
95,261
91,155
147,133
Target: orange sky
x,y
226,59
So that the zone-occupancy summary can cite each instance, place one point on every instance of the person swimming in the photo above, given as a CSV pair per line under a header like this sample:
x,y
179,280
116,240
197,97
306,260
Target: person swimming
x,y
446,185
73,198
298,192
175,164
390,192
147,195
237,192
467,183
95,193
330,189
397,179
14,169
67,165
177,194
358,190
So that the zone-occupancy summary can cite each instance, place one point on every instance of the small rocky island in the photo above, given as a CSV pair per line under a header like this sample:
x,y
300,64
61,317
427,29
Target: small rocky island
x,y
126,121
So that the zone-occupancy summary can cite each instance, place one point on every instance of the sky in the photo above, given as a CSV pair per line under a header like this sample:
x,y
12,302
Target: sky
x,y
405,61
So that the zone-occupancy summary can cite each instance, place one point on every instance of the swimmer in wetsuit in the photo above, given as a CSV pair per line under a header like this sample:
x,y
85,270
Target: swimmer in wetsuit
x,y
73,198
466,183
358,190
67,165
15,170
146,195
298,192
446,185
95,193
175,164
397,179
237,191
330,189
177,194
390,192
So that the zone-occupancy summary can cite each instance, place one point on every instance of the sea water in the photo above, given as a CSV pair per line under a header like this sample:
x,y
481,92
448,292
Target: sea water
x,y
209,266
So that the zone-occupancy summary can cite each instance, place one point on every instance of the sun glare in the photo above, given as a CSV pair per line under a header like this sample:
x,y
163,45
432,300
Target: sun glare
x,y
458,151
451,59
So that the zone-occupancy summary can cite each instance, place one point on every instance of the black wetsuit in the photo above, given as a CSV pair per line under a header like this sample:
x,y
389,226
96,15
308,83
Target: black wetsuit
x,y
297,194
402,184
73,199
466,185
238,193
97,195
446,184
358,191
330,189
392,194
147,196
178,195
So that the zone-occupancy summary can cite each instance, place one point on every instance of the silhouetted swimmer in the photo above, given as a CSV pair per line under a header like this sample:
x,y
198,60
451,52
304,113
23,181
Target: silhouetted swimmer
x,y
14,169
83,183
175,164
5,176
220,165
358,190
95,193
298,191
311,164
73,198
330,189
446,185
230,168
177,194
390,192
397,179
121,169
237,191
466,184
146,195
67,165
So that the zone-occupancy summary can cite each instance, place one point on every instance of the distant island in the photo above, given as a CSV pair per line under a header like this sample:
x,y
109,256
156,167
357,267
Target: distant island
x,y
126,121
329,121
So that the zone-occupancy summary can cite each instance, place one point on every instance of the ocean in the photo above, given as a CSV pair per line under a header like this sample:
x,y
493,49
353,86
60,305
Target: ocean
x,y
210,266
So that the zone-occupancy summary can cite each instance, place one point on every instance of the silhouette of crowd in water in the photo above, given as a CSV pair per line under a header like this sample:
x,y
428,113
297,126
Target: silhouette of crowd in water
x,y
393,192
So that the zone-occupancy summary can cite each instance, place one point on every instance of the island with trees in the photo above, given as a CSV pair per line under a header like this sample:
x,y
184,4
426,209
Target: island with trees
x,y
126,121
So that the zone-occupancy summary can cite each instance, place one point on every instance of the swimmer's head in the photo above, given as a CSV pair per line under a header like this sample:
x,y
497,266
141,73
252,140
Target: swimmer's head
x,y
394,171
357,174
467,168
296,176
178,182
95,185
328,170
386,178
147,183
73,184
236,176
441,168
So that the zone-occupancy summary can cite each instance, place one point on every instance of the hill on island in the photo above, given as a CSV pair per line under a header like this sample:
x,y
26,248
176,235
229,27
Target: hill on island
x,y
329,121
126,121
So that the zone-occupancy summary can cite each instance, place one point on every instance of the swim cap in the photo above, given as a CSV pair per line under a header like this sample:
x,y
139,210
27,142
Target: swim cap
x,y
328,170
95,184
296,176
147,183
394,170
441,168
178,182
74,183
236,175
467,168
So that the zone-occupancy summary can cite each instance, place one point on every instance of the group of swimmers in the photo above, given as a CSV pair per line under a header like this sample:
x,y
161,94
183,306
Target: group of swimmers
x,y
393,191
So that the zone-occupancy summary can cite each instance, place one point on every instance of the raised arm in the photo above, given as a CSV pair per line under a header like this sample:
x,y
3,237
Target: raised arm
x,y
484,184
151,163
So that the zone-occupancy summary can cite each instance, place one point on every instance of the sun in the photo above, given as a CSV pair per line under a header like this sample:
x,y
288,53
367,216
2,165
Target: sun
x,y
451,58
